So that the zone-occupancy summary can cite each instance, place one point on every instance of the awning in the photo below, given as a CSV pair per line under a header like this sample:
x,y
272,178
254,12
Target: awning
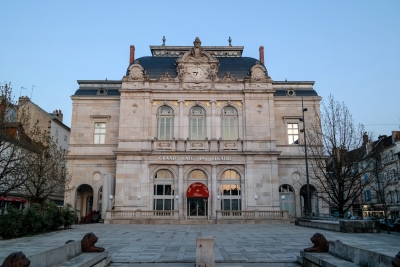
x,y
197,190
13,199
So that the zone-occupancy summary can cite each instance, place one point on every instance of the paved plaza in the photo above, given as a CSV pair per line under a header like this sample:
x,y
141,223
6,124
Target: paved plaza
x,y
175,245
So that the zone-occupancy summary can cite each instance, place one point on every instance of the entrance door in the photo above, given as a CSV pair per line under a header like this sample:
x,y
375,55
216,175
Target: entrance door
x,y
197,207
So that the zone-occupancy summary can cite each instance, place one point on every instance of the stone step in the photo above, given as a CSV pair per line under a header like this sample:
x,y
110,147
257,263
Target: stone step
x,y
95,259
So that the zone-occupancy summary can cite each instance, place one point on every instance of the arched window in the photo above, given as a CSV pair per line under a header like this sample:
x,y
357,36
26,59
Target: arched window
x,y
197,174
165,123
230,191
163,190
197,123
286,195
229,126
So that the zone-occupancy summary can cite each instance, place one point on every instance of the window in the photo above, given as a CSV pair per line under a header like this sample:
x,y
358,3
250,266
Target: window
x,y
293,133
367,195
231,191
99,132
229,123
163,190
165,123
197,174
197,124
100,199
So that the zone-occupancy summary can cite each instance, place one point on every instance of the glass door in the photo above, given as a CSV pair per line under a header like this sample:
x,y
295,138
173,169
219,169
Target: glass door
x,y
197,207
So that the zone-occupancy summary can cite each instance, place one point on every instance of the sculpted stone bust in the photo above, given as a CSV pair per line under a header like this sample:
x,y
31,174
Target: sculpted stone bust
x,y
16,259
196,51
320,244
87,243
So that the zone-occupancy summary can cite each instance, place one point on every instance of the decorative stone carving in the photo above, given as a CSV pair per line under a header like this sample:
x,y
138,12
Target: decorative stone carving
x,y
87,243
320,244
396,260
16,259
259,73
197,86
165,77
212,72
227,145
134,108
259,108
228,78
136,72
180,69
164,145
197,51
196,144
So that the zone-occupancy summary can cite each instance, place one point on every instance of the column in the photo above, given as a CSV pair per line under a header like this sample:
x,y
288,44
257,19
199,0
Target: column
x,y
213,122
180,125
181,191
214,191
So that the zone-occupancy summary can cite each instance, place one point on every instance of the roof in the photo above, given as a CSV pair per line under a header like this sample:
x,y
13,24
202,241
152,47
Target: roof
x,y
239,67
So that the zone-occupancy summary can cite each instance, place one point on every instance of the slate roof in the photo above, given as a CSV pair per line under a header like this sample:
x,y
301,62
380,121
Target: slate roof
x,y
239,67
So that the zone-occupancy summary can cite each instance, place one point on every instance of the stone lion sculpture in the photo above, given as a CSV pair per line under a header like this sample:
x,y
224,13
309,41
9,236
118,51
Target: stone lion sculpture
x,y
16,259
396,260
87,243
320,244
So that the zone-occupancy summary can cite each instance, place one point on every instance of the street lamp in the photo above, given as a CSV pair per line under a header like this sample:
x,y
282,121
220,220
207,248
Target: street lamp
x,y
138,197
305,152
111,199
255,197
283,197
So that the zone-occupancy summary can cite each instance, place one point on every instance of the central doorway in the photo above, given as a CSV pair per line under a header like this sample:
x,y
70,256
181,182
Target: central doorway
x,y
197,207
197,201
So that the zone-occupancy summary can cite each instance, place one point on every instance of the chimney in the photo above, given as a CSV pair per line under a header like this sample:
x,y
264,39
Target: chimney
x,y
262,54
22,100
59,115
132,54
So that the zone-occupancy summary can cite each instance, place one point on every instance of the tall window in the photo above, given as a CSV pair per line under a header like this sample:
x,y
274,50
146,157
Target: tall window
x,y
229,123
163,190
230,191
293,133
99,132
197,130
165,123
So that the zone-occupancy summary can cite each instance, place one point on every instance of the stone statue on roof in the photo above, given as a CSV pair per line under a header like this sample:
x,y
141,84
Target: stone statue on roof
x,y
196,50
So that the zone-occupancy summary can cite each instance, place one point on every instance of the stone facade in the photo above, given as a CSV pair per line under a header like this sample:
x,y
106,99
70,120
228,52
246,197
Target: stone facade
x,y
199,117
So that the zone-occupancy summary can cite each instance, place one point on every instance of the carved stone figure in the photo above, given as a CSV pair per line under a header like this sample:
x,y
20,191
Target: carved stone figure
x,y
165,77
87,243
320,244
181,71
396,260
16,259
228,78
212,72
197,50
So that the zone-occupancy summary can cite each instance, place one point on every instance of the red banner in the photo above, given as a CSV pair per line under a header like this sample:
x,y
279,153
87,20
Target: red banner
x,y
13,199
197,190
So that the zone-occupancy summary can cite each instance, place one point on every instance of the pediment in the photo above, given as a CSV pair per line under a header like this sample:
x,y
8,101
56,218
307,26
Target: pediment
x,y
136,72
259,73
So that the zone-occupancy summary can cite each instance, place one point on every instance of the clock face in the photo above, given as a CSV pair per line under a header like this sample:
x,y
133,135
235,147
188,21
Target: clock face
x,y
196,72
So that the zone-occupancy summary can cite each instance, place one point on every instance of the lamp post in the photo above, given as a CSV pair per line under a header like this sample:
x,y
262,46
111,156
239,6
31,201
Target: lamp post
x,y
138,197
305,152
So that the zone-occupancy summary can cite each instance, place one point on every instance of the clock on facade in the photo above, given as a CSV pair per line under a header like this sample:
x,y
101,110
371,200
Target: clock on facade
x,y
197,72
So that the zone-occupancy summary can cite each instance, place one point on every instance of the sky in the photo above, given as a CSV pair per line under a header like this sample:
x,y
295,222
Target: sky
x,y
351,49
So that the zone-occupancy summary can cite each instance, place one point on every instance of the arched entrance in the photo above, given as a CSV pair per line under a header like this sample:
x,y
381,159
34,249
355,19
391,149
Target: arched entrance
x,y
84,199
286,194
314,201
197,200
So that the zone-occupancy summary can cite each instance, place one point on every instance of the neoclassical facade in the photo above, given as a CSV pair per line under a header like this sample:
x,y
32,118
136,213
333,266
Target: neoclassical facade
x,y
190,129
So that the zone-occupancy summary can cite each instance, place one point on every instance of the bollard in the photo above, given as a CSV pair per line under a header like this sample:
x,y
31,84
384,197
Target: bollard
x,y
205,252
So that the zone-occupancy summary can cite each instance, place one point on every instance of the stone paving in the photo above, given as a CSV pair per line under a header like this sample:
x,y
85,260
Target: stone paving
x,y
175,245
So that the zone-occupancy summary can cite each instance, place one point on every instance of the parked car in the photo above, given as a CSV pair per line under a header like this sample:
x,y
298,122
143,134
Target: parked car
x,y
397,225
355,218
369,219
382,224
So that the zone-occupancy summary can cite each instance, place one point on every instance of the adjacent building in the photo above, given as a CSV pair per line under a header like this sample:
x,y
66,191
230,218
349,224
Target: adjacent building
x,y
190,130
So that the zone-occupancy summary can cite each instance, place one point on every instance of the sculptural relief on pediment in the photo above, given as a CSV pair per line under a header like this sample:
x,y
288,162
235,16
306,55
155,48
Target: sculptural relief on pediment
x,y
259,73
136,72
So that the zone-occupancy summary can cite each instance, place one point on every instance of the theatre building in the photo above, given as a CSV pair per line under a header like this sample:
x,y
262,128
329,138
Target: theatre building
x,y
190,133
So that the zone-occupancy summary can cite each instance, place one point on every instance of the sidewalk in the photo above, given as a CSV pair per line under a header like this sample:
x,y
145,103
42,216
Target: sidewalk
x,y
175,245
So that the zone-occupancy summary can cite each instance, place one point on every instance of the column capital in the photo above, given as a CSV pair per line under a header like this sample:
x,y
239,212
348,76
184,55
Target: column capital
x,y
181,101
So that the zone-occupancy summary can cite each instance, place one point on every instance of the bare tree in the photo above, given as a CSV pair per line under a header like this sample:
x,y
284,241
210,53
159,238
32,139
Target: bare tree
x,y
335,146
45,169
14,143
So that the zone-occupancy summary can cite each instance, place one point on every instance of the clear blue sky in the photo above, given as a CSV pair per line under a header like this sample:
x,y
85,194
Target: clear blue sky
x,y
351,49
